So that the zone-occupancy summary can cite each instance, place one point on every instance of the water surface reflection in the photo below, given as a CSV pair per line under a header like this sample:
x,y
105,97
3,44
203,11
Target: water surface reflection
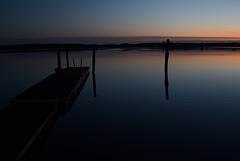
x,y
131,118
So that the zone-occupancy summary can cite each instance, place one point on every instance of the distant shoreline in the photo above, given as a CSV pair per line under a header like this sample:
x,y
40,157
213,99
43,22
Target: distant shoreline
x,y
77,47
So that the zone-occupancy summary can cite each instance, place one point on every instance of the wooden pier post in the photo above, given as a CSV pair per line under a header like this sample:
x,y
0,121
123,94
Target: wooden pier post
x,y
81,62
166,70
67,58
167,44
93,61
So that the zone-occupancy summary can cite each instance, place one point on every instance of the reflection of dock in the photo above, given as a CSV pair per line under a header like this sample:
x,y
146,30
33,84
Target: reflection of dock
x,y
28,119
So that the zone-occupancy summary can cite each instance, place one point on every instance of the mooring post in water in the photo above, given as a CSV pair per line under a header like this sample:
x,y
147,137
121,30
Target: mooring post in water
x,y
73,62
166,70
67,58
93,61
167,44
81,62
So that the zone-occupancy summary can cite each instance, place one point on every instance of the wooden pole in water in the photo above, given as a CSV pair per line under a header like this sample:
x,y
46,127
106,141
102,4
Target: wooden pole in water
x,y
166,71
59,59
93,61
67,58
81,62
167,44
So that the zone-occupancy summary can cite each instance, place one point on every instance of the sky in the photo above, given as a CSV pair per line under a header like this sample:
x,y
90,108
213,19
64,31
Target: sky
x,y
118,18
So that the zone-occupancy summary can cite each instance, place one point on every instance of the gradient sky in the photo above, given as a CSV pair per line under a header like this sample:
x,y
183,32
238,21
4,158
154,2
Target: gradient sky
x,y
81,18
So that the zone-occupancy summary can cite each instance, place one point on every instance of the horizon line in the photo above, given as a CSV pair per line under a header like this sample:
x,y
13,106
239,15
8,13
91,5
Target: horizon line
x,y
225,37
115,40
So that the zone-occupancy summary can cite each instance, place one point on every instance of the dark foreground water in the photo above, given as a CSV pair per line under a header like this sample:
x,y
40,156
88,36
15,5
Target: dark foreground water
x,y
130,117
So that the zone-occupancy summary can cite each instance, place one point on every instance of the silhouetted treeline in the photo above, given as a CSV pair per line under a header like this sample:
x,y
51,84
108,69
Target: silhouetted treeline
x,y
72,47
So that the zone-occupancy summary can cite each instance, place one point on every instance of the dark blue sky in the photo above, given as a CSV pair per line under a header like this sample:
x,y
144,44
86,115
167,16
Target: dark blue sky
x,y
76,18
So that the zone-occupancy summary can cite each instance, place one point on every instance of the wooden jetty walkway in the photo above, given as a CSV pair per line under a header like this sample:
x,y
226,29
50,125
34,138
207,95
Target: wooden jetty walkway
x,y
27,120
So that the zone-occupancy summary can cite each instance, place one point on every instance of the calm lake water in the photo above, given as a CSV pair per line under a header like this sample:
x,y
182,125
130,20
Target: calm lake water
x,y
130,118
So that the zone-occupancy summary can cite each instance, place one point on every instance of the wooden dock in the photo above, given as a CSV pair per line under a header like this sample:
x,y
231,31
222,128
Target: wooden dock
x,y
30,116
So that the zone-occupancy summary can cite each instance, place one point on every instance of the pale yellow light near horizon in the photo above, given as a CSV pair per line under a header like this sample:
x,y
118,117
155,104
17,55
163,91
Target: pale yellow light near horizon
x,y
184,32
208,29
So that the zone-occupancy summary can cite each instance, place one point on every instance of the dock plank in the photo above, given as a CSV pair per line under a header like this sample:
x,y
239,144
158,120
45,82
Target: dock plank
x,y
19,123
27,120
56,86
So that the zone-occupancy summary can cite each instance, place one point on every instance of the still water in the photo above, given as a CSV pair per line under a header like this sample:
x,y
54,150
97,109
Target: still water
x,y
130,117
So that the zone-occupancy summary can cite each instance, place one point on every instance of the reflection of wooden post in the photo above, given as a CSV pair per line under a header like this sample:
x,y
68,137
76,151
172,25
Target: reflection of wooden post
x,y
93,61
166,70
93,74
73,62
58,59
67,58
94,86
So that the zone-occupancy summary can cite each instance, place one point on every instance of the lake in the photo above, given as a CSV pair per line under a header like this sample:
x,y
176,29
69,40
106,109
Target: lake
x,y
135,114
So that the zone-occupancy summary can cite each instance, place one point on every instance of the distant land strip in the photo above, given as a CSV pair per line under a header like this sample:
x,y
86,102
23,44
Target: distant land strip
x,y
77,47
